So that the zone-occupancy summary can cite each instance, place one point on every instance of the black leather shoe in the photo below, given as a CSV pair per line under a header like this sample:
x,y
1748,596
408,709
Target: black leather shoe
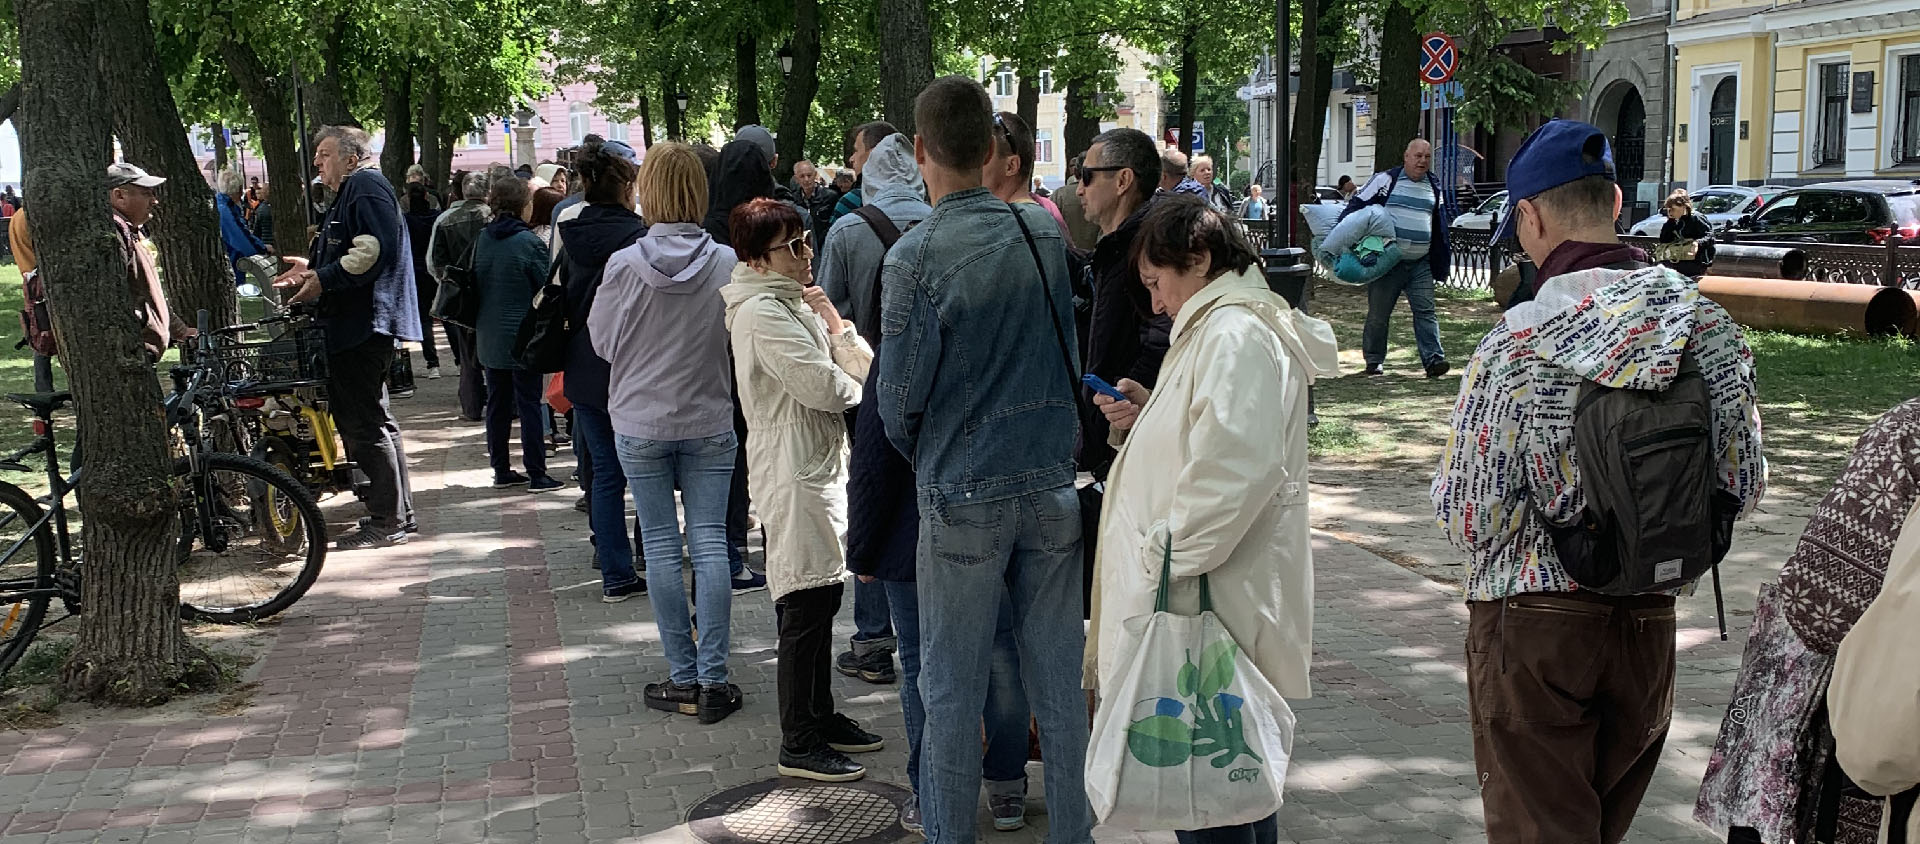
x,y
876,667
717,702
671,697
823,764
844,735
1438,368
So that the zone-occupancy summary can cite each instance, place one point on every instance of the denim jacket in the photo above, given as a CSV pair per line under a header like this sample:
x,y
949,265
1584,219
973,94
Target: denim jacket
x,y
975,391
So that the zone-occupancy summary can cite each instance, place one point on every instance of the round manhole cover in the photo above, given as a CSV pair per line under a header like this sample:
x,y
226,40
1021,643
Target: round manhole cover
x,y
790,811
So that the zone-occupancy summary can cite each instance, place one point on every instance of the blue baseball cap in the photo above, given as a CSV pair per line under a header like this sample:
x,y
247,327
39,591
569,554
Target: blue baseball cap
x,y
1558,152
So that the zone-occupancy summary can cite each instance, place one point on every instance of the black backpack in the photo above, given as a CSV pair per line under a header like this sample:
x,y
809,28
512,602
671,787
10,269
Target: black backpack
x,y
1655,517
457,301
868,324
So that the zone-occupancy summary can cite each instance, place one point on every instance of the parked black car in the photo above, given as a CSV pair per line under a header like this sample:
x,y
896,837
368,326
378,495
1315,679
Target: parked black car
x,y
1867,211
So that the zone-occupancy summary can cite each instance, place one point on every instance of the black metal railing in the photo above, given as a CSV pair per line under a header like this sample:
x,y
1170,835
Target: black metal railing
x,y
1475,260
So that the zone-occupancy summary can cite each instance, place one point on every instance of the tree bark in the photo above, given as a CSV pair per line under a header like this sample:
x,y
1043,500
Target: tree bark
x,y
746,79
396,94
906,54
1189,87
148,123
270,99
1310,116
219,149
9,104
1397,113
802,85
325,93
432,158
130,649
1026,100
1083,121
672,104
646,123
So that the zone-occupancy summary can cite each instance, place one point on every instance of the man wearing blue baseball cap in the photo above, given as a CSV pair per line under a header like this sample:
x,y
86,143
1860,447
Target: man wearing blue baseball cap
x,y
1570,662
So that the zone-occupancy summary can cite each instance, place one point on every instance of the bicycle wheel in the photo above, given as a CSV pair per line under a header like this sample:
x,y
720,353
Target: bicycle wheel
x,y
252,541
28,567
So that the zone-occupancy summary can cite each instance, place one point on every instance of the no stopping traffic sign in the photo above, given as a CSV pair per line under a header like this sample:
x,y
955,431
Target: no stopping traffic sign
x,y
1439,58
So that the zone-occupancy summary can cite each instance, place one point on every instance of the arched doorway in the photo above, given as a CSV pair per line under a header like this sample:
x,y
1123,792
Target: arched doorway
x,y
1630,140
1720,132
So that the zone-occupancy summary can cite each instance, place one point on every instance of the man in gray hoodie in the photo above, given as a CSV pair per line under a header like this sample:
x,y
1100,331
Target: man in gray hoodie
x,y
848,269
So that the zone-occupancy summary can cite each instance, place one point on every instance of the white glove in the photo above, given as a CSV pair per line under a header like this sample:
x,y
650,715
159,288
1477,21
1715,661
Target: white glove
x,y
363,255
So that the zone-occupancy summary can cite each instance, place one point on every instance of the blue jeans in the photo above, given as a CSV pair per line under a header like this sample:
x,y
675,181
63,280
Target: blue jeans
x,y
1414,278
1005,766
871,625
703,469
593,444
972,556
1263,831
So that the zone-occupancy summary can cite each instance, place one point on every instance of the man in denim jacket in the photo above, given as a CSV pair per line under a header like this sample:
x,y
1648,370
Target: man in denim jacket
x,y
977,390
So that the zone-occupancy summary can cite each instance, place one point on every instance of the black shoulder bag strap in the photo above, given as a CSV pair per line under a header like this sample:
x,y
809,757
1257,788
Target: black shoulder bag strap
x,y
1053,310
868,321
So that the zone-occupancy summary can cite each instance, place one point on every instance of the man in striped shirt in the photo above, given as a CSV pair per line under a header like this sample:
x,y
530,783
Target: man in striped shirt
x,y
1413,198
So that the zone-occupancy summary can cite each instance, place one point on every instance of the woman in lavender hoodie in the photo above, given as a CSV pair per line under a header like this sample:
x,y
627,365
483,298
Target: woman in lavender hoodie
x,y
659,323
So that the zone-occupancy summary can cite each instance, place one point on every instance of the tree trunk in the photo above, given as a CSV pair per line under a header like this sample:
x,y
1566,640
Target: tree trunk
x,y
10,103
326,96
672,105
1083,121
219,149
269,98
906,53
1190,88
448,137
1316,51
1396,115
396,94
130,649
432,158
746,80
802,85
187,227
646,123
1026,101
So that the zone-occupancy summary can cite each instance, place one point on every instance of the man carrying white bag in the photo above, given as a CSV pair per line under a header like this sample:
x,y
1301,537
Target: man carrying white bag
x,y
1206,515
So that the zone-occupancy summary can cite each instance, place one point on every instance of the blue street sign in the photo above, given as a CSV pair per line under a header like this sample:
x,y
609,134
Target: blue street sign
x,y
1199,136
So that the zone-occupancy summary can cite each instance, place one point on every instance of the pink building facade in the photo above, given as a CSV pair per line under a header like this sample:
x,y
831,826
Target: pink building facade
x,y
561,119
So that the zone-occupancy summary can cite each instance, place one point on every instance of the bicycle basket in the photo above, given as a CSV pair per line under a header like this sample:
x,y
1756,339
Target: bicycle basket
x,y
295,359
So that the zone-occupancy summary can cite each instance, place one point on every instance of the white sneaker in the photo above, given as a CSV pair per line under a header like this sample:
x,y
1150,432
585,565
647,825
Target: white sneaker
x,y
433,372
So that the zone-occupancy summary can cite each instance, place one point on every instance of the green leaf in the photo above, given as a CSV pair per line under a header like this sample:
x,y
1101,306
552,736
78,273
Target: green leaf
x,y
1216,668
1188,674
1160,741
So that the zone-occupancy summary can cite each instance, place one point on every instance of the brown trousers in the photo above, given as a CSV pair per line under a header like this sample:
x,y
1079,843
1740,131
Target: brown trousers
x,y
1571,696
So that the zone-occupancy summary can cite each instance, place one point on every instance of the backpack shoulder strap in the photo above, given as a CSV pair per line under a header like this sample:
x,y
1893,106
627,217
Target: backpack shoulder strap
x,y
882,224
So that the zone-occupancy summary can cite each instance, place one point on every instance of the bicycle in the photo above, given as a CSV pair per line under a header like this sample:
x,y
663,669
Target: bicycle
x,y
276,395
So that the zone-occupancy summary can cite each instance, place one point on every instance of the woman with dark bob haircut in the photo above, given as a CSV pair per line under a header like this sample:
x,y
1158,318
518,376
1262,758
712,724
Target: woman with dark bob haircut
x,y
1212,464
798,367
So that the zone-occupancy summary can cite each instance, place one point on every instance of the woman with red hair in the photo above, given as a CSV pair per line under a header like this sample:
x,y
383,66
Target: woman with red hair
x,y
798,366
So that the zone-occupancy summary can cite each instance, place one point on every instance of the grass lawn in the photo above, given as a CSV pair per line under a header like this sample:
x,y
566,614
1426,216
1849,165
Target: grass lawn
x,y
1817,394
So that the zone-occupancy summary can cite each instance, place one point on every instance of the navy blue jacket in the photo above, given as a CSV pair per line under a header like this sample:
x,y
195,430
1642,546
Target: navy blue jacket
x,y
883,524
1439,250
586,242
381,300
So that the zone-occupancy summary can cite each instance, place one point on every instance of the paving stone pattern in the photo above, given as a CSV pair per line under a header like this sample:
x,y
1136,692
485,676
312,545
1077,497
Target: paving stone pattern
x,y
471,686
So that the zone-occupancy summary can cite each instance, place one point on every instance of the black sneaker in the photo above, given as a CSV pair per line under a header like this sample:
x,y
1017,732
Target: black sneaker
x,y
545,483
822,763
876,667
1373,370
1438,368
672,697
717,702
365,536
581,505
411,526
511,478
844,735
621,593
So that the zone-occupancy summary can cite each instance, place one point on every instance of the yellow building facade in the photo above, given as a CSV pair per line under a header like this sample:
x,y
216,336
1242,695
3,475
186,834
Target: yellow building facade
x,y
1795,92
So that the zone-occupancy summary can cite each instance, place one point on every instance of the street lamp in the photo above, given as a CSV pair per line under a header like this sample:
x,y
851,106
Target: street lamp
x,y
786,59
239,135
680,113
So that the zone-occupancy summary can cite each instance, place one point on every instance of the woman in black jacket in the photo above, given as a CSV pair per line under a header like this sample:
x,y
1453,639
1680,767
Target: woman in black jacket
x,y
1686,239
606,225
420,211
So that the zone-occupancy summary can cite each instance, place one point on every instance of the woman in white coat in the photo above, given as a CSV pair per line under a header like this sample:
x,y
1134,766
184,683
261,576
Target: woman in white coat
x,y
799,367
1214,460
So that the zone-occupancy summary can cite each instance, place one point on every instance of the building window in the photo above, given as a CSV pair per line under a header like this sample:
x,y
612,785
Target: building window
x,y
477,138
1906,148
1830,139
617,131
1003,82
1046,82
578,121
1346,132
1043,146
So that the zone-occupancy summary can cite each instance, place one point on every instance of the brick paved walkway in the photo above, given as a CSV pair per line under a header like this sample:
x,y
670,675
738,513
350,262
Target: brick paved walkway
x,y
470,686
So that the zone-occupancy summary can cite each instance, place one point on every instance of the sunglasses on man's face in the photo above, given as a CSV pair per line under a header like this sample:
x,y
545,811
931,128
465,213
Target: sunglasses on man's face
x,y
1086,173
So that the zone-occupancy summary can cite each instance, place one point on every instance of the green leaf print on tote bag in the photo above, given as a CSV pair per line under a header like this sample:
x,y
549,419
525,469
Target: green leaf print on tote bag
x,y
1192,736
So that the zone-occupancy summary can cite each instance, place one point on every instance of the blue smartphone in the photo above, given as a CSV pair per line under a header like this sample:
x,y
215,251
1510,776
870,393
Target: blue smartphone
x,y
1100,385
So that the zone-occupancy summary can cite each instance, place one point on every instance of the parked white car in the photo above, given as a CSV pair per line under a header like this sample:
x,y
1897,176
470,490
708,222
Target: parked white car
x,y
1481,218
1722,205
